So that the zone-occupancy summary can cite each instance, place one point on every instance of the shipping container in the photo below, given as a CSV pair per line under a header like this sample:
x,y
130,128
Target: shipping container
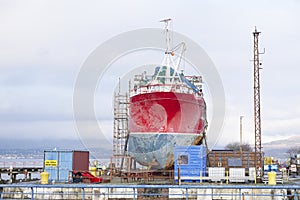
x,y
51,164
60,163
191,160
80,160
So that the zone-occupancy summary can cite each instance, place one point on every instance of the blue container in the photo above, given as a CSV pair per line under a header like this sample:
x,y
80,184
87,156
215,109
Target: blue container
x,y
65,165
60,164
50,165
192,161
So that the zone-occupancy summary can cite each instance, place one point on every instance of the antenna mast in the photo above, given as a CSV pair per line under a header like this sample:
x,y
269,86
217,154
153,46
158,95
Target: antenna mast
x,y
167,33
257,117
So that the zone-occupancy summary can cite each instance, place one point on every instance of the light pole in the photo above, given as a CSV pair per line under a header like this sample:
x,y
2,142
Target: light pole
x,y
241,133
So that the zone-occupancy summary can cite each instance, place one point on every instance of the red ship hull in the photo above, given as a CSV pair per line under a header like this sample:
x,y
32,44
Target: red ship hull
x,y
167,112
161,120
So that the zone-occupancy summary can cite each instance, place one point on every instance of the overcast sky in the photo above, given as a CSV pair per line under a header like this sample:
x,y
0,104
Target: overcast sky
x,y
43,45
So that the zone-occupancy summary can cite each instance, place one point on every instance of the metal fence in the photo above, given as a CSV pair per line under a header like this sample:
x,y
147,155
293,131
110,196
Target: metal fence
x,y
110,191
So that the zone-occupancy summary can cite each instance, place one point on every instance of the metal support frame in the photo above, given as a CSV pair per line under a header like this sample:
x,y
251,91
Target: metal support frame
x,y
121,102
257,111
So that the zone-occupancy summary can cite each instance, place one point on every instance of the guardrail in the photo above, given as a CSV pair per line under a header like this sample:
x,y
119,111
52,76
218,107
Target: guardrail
x,y
110,191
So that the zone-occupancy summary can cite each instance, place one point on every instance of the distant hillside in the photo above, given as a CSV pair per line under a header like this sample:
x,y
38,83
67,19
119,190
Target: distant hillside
x,y
37,147
278,148
40,144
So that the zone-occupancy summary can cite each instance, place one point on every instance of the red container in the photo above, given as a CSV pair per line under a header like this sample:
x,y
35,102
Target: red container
x,y
80,161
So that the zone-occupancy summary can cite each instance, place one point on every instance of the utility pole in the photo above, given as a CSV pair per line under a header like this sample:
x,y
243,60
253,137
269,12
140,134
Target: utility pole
x,y
241,134
257,117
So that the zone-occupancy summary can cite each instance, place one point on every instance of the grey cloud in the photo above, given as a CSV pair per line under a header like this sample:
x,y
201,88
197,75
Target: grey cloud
x,y
43,45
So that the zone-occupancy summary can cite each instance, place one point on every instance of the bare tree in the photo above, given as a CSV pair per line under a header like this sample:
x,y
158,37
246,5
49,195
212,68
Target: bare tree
x,y
293,151
235,146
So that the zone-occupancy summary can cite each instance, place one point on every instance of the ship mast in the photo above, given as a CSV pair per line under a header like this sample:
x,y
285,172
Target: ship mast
x,y
168,60
167,34
169,68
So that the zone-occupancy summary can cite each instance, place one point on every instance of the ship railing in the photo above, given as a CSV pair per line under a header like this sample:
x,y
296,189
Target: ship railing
x,y
163,88
142,191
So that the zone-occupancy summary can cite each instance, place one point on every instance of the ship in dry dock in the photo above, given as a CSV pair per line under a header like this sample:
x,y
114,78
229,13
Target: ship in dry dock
x,y
166,109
